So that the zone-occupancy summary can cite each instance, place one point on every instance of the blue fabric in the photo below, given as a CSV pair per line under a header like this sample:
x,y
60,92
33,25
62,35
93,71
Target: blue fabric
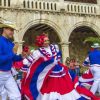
x,y
94,57
82,98
6,54
86,63
72,73
57,68
33,84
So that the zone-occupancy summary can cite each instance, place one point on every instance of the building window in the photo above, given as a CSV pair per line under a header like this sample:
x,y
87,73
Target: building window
x,y
71,8
32,5
68,7
94,10
81,8
4,2
48,6
40,5
0,2
28,4
24,4
36,5
44,5
51,6
8,3
75,8
78,8
55,7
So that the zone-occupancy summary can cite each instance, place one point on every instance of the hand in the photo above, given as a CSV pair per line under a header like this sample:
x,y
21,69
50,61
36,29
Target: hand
x,y
25,54
15,48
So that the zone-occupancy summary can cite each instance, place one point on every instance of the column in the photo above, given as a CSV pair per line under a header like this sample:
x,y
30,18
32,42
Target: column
x,y
20,47
65,50
20,42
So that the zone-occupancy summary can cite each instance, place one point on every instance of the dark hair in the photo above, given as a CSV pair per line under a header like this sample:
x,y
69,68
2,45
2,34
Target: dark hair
x,y
1,31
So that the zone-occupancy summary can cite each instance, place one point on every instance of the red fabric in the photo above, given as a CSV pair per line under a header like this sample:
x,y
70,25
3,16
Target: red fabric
x,y
61,85
18,65
87,75
65,84
82,90
26,88
86,92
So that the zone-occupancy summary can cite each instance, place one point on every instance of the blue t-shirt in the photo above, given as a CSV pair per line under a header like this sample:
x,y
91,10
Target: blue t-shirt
x,y
94,57
7,57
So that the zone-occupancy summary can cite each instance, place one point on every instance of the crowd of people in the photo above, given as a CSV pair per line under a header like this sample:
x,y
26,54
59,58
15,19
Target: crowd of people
x,y
74,65
39,74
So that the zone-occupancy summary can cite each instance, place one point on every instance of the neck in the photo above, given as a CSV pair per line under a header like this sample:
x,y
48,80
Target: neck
x,y
4,35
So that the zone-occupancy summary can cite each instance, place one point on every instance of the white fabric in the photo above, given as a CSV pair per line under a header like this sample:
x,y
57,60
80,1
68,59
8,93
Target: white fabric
x,y
81,79
19,83
13,71
4,95
95,86
43,74
96,75
73,95
96,72
8,83
36,55
86,60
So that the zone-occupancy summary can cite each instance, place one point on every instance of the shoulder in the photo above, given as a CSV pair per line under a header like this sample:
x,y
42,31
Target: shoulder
x,y
36,53
56,47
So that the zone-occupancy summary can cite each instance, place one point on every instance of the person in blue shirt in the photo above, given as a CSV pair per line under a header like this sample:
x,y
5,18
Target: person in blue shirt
x,y
93,61
8,55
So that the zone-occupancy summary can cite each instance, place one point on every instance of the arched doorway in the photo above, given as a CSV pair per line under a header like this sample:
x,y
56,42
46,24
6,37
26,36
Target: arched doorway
x,y
32,32
77,48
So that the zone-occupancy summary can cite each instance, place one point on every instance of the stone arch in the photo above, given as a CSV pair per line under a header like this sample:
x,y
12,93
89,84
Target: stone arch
x,y
77,35
57,29
84,23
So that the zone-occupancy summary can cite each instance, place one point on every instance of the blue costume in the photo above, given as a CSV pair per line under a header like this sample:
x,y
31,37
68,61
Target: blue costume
x,y
93,60
7,57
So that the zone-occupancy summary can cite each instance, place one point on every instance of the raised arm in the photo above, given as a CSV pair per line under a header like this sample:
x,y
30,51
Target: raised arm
x,y
86,62
32,58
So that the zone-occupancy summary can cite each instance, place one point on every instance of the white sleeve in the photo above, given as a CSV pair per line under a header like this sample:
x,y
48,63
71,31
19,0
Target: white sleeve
x,y
33,57
86,62
57,47
14,72
26,62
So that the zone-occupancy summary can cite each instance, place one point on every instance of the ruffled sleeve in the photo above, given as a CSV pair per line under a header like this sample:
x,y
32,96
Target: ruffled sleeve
x,y
32,58
59,54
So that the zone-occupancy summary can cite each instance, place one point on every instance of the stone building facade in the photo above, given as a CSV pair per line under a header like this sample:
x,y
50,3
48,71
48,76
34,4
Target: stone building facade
x,y
67,22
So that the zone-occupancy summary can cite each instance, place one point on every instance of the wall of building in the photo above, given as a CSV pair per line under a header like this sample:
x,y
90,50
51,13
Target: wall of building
x,y
63,17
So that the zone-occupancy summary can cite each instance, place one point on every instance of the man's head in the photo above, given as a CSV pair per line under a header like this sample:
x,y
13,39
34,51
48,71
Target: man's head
x,y
8,28
8,32
95,45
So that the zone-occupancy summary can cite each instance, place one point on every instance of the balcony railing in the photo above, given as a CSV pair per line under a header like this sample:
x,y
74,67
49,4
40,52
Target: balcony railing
x,y
81,8
38,5
5,3
54,6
